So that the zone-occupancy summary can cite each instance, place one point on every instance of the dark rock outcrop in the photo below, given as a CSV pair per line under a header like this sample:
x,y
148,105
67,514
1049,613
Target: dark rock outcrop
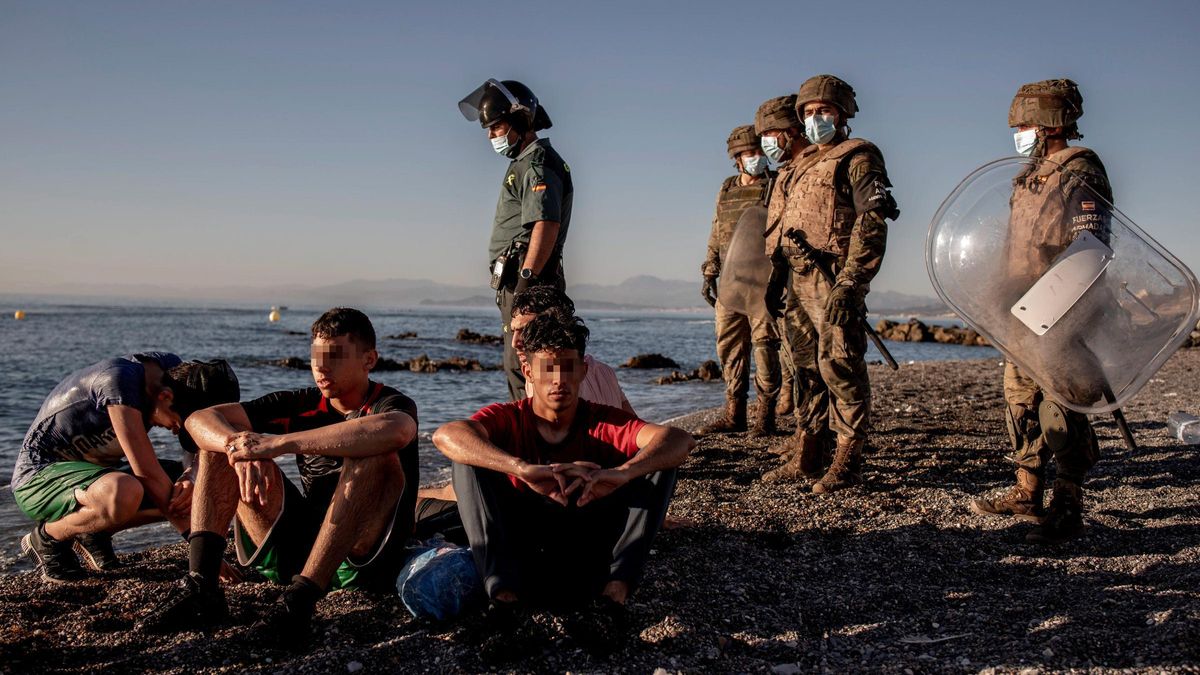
x,y
471,337
709,371
650,361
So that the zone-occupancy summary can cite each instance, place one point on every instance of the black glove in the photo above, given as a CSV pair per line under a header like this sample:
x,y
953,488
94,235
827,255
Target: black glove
x,y
843,306
709,291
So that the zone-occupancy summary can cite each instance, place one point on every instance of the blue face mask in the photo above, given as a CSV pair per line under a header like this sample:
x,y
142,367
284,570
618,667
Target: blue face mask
x,y
754,165
820,129
502,147
772,147
1025,141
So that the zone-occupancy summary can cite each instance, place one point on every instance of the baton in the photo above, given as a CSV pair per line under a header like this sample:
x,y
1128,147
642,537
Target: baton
x,y
808,252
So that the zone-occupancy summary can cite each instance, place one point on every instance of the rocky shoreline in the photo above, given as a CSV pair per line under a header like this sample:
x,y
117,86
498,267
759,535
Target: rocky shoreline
x,y
894,576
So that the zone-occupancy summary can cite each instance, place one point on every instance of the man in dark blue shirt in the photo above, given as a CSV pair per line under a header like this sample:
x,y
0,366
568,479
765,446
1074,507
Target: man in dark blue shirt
x,y
355,443
87,467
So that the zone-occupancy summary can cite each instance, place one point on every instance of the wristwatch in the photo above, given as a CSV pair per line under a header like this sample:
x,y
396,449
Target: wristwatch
x,y
526,273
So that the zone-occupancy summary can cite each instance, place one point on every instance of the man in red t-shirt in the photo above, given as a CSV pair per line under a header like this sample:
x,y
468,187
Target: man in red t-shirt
x,y
560,497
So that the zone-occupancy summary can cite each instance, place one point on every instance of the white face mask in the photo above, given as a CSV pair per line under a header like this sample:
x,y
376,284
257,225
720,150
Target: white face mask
x,y
1025,140
754,165
820,129
772,147
500,145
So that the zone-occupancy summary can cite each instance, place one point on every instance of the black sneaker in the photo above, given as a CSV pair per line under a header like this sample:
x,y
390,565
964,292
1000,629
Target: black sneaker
x,y
288,622
194,604
96,550
601,628
54,559
508,634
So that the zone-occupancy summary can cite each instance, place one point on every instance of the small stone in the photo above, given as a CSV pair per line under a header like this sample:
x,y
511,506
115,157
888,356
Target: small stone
x,y
786,669
661,671
354,666
1047,652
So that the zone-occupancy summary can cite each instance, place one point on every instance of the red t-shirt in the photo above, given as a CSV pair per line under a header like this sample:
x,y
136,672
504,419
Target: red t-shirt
x,y
599,433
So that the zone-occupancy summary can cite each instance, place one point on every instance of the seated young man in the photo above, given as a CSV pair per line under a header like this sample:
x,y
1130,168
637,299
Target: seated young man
x,y
561,497
87,468
355,443
436,511
600,384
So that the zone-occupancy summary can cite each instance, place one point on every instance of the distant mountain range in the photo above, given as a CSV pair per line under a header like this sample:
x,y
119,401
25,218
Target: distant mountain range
x,y
635,293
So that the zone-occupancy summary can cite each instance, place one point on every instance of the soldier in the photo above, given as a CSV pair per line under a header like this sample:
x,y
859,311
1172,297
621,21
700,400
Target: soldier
x,y
837,205
1050,207
534,210
736,332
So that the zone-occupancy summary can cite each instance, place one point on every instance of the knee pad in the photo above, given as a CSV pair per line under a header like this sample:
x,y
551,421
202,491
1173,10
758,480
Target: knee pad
x,y
1055,430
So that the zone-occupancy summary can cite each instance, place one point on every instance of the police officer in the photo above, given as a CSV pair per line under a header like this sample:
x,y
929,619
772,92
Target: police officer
x,y
737,332
534,210
837,203
1050,207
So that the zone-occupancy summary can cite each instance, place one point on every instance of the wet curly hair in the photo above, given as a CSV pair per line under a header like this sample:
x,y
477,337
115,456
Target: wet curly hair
x,y
554,330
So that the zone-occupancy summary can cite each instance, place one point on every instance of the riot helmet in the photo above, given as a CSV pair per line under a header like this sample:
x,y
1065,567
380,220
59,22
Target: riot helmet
x,y
508,100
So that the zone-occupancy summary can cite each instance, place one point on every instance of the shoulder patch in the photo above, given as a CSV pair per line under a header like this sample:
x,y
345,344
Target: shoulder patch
x,y
540,187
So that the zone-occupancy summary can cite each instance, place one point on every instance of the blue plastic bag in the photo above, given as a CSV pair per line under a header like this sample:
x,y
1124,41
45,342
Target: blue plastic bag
x,y
439,582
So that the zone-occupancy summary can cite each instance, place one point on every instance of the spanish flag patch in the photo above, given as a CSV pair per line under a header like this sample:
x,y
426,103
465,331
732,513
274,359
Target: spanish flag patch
x,y
540,187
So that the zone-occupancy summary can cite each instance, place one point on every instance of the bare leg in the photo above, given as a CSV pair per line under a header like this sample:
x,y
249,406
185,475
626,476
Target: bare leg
x,y
107,504
217,499
362,509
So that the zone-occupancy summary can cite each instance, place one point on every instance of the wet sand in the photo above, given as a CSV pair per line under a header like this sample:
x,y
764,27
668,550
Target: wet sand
x,y
893,576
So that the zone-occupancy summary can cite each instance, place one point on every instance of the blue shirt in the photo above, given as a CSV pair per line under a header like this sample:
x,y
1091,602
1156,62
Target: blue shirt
x,y
73,423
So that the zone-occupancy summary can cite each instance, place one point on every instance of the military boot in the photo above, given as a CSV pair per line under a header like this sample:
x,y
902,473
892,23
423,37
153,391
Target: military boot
x,y
734,419
764,419
845,470
804,460
1022,501
1064,518
786,402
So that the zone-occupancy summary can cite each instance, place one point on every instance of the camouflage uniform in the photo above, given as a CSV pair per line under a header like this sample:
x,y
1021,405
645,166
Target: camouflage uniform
x,y
1050,208
837,199
738,334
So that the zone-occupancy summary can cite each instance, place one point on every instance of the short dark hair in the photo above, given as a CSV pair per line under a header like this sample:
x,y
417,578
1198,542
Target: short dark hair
x,y
200,384
538,299
345,321
556,329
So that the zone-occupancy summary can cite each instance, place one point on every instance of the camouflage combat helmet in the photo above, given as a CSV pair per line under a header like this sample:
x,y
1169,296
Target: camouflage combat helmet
x,y
1049,103
741,139
827,88
777,113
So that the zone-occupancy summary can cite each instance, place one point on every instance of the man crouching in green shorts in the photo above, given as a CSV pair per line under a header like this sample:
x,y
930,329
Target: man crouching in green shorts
x,y
71,475
355,443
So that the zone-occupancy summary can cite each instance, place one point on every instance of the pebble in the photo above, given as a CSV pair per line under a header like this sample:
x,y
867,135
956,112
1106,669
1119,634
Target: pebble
x,y
786,669
354,666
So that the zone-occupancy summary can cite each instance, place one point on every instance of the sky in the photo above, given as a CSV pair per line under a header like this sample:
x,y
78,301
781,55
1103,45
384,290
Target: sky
x,y
253,144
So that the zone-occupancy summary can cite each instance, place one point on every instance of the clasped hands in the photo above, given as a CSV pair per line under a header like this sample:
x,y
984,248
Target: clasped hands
x,y
250,454
559,482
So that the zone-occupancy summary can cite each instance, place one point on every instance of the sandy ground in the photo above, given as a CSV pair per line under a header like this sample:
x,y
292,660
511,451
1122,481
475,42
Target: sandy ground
x,y
894,576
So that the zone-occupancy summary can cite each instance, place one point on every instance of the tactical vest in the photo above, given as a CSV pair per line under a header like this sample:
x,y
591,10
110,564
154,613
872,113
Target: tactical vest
x,y
1037,227
733,199
813,207
780,199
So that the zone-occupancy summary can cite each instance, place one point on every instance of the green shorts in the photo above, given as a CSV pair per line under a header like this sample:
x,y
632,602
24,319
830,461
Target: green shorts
x,y
50,493
292,535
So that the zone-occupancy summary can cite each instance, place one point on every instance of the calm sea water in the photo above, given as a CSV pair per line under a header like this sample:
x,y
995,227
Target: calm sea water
x,y
56,339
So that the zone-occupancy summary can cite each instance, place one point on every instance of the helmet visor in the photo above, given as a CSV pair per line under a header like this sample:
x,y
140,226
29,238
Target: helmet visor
x,y
472,103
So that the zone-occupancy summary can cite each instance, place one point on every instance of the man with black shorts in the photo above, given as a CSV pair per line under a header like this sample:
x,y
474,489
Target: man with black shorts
x,y
561,497
355,443
87,468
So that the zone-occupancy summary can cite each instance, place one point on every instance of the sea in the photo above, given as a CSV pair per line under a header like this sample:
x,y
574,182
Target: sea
x,y
57,338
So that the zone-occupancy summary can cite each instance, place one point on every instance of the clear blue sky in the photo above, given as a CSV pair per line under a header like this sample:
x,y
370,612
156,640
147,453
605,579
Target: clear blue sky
x,y
275,142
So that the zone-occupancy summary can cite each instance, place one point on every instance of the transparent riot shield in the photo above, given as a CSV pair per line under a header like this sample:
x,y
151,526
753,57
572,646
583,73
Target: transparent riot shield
x,y
1089,315
746,269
